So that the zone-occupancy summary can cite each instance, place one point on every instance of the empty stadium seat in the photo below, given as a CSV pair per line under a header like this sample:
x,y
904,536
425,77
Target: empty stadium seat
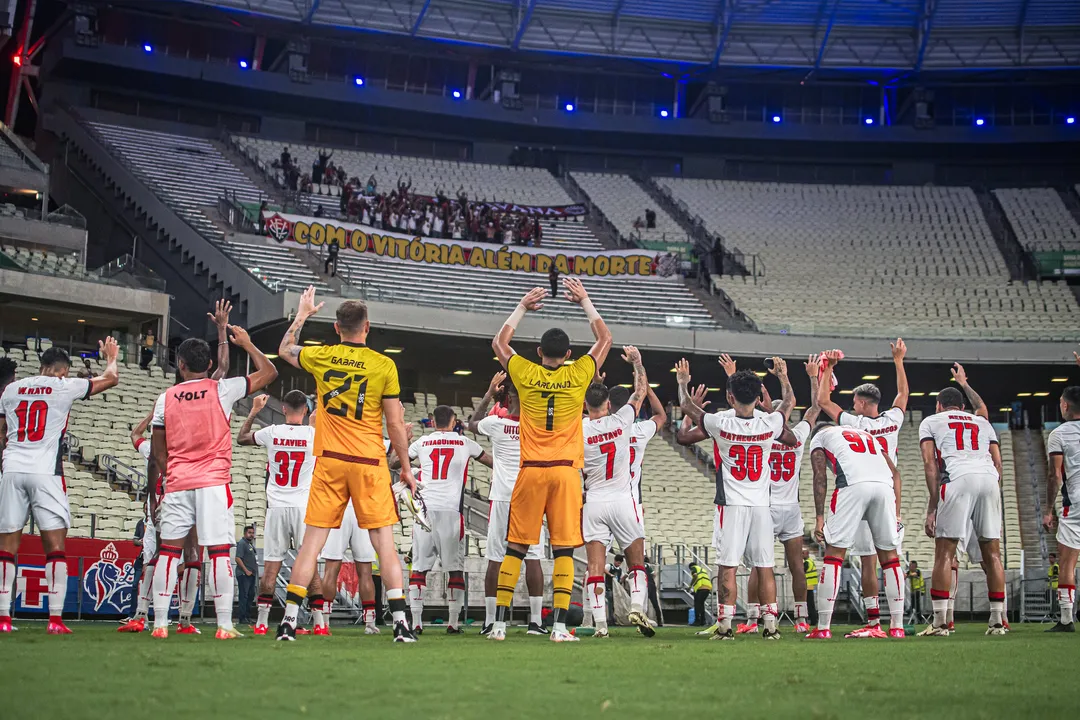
x,y
1040,219
622,201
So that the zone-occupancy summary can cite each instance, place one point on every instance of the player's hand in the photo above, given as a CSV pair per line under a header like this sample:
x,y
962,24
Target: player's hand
x,y
697,395
1048,522
959,375
109,349
533,300
631,355
899,349
496,382
931,523
813,367
1076,356
819,530
408,432
574,290
599,377
779,367
832,357
682,372
406,477
728,364
258,403
307,307
240,337
220,316
764,400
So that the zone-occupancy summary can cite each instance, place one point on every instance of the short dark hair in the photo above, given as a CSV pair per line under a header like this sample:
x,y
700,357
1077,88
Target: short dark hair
x,y
249,527
294,400
619,558
619,396
1071,396
554,343
745,386
596,395
351,316
870,391
195,352
950,397
7,371
443,415
55,356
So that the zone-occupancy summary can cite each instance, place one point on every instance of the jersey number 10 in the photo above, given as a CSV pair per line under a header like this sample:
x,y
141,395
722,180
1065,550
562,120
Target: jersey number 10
x,y
32,417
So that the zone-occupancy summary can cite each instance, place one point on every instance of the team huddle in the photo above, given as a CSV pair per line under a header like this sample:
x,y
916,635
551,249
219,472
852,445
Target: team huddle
x,y
566,458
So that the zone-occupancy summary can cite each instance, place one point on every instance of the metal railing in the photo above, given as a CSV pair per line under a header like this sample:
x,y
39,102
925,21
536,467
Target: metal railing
x,y
1033,476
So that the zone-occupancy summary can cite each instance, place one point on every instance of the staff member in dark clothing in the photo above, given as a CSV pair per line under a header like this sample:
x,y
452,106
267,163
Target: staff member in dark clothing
x,y
810,568
701,587
654,599
553,278
330,266
247,574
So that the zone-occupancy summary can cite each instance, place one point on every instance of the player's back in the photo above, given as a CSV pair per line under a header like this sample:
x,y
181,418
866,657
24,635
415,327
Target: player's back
x,y
854,455
290,454
551,402
444,466
607,455
885,428
963,442
36,411
1064,440
351,381
741,447
640,435
785,463
504,433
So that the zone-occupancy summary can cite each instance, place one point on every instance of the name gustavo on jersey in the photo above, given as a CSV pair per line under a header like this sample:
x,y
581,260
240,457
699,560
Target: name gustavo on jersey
x,y
604,437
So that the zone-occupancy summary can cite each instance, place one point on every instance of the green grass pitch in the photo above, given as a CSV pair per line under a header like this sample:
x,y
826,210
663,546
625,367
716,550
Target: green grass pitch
x,y
99,673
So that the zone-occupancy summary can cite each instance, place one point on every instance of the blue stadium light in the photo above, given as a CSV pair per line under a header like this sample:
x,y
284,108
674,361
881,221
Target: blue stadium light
x,y
980,122
457,94
148,48
243,64
776,118
358,81
869,121
1070,120
569,107
663,113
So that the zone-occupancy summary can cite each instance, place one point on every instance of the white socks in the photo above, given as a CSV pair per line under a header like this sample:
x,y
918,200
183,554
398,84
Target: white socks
x,y
165,574
536,609
727,612
456,595
56,573
595,592
489,610
894,592
7,583
873,611
770,615
828,589
221,586
396,594
146,585
264,612
416,605
941,610
753,613
639,588
1066,600
801,612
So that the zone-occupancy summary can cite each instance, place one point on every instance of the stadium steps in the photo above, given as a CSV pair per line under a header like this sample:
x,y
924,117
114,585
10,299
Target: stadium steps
x,y
1071,199
1017,259
251,171
1029,459
728,318
604,231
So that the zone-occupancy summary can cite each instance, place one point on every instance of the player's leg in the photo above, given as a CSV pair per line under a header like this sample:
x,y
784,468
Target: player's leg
x,y
177,518
390,565
363,553
534,583
190,581
316,601
870,590
793,556
986,523
423,559
841,530
49,505
995,584
637,580
595,586
494,552
894,590
267,583
563,510
450,540
827,590
954,589
753,604
216,530
526,518
14,512
1067,557
735,522
760,551
941,579
332,555
331,570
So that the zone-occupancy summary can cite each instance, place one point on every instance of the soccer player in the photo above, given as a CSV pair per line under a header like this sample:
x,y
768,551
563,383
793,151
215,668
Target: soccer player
x,y
33,417
289,456
504,433
444,466
867,490
137,623
885,426
1063,461
610,510
742,441
962,463
642,432
191,443
356,387
551,393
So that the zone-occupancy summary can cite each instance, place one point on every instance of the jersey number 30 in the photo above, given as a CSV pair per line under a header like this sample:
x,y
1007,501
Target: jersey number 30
x,y
747,462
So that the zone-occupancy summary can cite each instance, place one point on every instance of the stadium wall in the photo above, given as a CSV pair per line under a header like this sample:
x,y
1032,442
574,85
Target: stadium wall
x,y
59,289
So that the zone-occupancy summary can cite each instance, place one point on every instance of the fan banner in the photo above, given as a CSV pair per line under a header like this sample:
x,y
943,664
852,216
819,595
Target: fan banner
x,y
302,230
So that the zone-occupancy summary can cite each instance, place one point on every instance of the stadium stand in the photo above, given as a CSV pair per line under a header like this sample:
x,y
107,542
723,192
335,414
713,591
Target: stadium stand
x,y
276,267
623,201
917,261
44,261
1040,219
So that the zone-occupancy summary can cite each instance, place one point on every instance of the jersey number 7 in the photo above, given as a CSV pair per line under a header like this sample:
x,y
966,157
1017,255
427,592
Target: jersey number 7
x,y
361,393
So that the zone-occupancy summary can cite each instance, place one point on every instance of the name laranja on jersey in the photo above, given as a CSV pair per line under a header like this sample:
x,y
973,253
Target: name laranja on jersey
x,y
962,441
640,435
36,411
504,434
551,405
741,448
291,459
785,463
1065,441
607,455
444,464
854,455
885,427
351,382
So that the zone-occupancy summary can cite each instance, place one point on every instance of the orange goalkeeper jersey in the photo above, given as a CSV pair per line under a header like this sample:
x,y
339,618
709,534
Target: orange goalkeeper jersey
x,y
551,408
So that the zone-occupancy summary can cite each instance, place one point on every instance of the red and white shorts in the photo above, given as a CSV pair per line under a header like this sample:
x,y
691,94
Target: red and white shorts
x,y
209,510
618,519
445,542
970,502
1068,533
43,495
873,502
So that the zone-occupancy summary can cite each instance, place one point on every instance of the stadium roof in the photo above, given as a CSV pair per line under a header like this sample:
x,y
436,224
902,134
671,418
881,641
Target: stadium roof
x,y
907,35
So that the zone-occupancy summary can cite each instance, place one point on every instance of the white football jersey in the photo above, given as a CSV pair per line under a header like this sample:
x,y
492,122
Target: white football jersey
x,y
444,464
291,460
885,427
607,455
963,442
785,463
505,454
741,447
36,412
855,456
1065,441
640,435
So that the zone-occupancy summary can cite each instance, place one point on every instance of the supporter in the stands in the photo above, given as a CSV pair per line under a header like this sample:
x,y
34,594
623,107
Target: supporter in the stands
x,y
650,219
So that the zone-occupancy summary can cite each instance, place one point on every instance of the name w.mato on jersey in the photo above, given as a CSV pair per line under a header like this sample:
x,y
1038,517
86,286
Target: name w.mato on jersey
x,y
36,412
444,463
290,457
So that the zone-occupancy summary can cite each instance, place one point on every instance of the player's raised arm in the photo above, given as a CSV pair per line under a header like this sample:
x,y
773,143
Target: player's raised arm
x,y
903,392
1054,469
109,350
787,393
730,368
139,429
265,372
659,414
686,401
494,387
247,435
575,293
533,300
933,483
812,370
641,381
897,482
825,403
289,349
978,407
689,433
821,484
394,412
220,318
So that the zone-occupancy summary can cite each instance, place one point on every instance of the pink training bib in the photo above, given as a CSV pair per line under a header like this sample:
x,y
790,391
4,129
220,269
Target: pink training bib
x,y
197,436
